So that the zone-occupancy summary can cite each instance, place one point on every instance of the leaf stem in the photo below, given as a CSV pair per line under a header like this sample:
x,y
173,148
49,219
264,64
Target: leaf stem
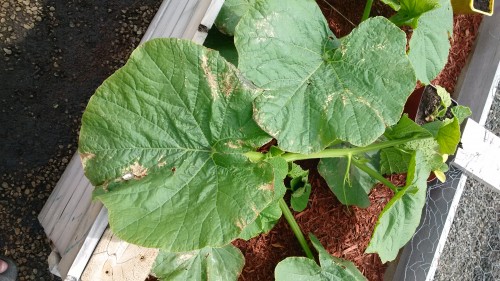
x,y
295,228
342,152
368,8
363,167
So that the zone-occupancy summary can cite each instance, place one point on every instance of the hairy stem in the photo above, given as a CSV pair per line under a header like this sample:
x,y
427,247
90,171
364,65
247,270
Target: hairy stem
x,y
366,12
342,152
363,167
295,228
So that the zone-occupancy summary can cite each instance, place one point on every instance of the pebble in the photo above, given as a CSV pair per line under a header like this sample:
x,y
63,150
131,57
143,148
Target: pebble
x,y
7,51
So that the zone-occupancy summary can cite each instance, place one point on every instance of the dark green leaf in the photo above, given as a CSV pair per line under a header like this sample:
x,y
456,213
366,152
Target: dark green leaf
x,y
207,264
164,138
401,216
350,185
316,90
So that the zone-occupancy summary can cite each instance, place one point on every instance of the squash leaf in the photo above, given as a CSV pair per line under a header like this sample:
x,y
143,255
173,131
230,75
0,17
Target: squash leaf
x,y
163,139
300,187
401,216
207,264
305,269
429,43
319,88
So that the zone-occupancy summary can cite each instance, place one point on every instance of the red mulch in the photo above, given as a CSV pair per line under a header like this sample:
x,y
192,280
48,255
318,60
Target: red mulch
x,y
345,232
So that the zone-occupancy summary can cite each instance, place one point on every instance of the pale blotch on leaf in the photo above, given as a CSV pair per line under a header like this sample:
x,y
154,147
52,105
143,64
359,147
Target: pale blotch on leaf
x,y
186,256
135,171
267,187
161,162
85,157
211,79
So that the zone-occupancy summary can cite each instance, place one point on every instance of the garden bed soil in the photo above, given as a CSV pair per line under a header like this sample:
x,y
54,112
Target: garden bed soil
x,y
346,231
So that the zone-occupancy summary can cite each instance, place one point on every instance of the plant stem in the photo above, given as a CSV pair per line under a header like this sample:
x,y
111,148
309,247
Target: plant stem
x,y
366,12
295,228
363,167
342,152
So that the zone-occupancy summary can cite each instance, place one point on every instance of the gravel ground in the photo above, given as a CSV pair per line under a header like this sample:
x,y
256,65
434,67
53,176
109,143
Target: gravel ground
x,y
53,55
472,251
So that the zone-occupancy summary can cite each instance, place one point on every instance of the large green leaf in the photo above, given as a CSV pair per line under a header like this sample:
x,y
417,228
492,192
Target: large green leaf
x,y
207,264
409,11
429,43
400,217
350,185
163,140
305,269
318,88
230,14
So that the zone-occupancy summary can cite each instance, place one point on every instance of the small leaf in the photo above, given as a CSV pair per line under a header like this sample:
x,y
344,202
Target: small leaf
x,y
444,95
350,185
448,136
305,269
296,171
401,216
461,112
347,270
406,128
429,43
176,120
300,197
394,4
301,189
318,91
207,264
410,11
230,14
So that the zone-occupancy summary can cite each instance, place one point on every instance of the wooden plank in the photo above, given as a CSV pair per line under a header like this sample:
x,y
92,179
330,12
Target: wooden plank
x,y
185,18
114,260
476,81
58,210
479,155
59,191
67,228
88,246
80,236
